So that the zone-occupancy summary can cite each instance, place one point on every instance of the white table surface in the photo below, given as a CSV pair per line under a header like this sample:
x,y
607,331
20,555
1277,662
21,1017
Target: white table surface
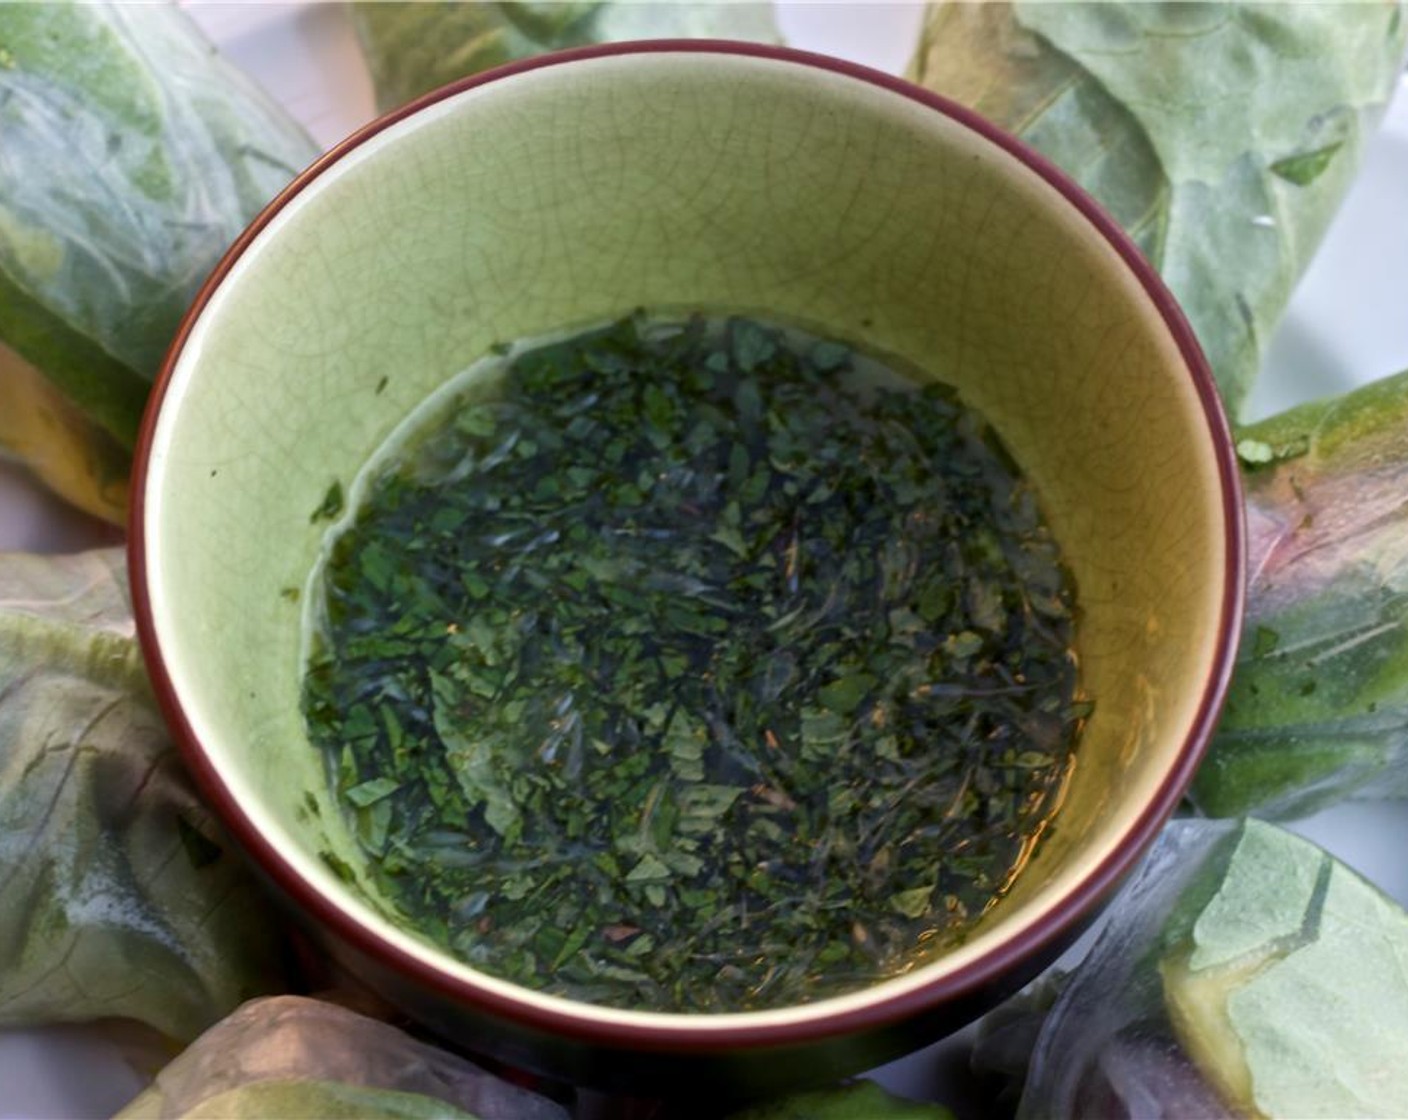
x,y
1347,324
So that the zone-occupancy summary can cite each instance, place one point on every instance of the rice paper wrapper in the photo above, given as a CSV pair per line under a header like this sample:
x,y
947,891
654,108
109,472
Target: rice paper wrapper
x,y
294,1058
1318,707
411,48
1243,973
133,156
120,896
1222,137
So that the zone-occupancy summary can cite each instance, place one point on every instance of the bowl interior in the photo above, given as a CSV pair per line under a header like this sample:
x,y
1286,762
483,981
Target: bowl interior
x,y
572,193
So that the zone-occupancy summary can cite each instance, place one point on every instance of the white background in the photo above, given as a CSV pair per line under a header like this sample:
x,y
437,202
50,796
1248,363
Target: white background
x,y
1348,324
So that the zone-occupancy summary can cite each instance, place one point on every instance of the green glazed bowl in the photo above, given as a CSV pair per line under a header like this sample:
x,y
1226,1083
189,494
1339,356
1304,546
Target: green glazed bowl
x,y
574,188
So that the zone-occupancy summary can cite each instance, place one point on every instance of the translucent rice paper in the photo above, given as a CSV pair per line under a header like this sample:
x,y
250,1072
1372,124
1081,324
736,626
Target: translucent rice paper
x,y
1222,136
133,156
1318,708
1243,972
121,897
411,48
292,1057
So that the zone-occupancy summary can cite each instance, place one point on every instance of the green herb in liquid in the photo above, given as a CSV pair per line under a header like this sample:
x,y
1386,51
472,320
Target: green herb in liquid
x,y
695,666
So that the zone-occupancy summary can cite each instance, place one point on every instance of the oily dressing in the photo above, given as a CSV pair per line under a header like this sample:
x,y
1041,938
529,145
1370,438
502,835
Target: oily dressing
x,y
694,665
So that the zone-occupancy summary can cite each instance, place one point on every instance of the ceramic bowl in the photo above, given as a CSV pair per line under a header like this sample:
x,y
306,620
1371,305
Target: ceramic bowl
x,y
574,188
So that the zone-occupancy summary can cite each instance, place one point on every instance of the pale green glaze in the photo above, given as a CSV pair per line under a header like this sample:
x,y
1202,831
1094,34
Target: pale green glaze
x,y
575,193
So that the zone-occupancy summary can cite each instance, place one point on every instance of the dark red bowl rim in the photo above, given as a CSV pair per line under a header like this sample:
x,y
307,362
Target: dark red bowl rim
x,y
1042,939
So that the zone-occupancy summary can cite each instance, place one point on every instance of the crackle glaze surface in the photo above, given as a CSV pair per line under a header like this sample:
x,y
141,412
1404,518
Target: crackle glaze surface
x,y
570,193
